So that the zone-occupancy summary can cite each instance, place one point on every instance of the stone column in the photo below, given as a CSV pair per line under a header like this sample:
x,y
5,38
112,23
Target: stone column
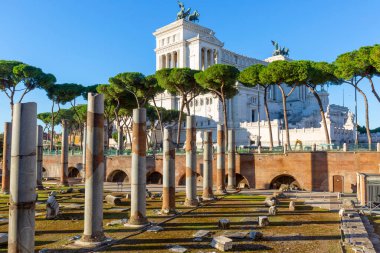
x,y
172,57
167,61
23,179
206,58
231,160
64,153
207,166
6,157
168,184
220,161
84,150
93,210
377,147
345,147
40,140
138,180
191,163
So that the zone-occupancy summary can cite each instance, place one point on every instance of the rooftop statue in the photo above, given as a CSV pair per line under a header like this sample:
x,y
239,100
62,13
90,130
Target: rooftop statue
x,y
279,50
194,17
183,14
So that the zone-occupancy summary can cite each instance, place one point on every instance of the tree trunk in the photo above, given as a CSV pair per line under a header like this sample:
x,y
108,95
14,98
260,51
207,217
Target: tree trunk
x,y
225,121
52,128
268,118
322,112
285,116
366,116
373,89
129,135
159,118
180,123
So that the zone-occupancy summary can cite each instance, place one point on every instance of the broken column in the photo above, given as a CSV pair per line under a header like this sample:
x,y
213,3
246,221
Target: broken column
x,y
168,184
231,160
138,180
6,157
207,167
220,161
64,153
40,138
344,147
23,179
378,147
191,162
93,209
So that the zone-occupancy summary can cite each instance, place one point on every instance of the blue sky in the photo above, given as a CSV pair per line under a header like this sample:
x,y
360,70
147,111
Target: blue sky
x,y
87,41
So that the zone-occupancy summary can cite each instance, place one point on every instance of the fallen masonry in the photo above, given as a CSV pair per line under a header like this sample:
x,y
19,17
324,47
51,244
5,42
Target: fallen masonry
x,y
222,243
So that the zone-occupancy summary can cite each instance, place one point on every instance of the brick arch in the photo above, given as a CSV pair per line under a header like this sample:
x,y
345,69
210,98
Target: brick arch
x,y
154,177
73,172
283,179
118,175
182,179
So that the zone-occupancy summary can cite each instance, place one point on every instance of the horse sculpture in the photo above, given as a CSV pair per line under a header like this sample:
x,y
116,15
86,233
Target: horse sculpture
x,y
194,17
279,50
183,14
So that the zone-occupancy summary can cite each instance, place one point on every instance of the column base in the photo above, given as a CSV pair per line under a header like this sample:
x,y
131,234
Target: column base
x,y
137,222
91,242
168,211
208,197
231,187
191,202
221,192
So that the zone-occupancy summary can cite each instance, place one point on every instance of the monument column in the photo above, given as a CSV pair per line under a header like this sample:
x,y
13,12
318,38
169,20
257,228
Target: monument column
x,y
207,166
191,163
23,179
168,184
64,153
93,210
138,170
167,61
39,155
220,161
231,160
6,157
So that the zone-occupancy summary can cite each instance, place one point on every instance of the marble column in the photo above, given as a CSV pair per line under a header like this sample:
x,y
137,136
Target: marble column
x,y
207,167
220,161
231,160
6,157
64,153
168,184
23,179
40,135
191,162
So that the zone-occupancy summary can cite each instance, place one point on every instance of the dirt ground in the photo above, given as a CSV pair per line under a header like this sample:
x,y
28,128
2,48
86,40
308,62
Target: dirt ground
x,y
305,230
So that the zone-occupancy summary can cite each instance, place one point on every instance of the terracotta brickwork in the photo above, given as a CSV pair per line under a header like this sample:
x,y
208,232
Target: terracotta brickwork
x,y
312,170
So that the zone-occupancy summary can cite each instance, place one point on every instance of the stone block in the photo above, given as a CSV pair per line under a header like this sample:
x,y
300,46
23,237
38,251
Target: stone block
x,y
3,238
52,207
116,201
201,234
263,221
255,235
236,235
155,229
292,206
221,243
224,224
117,222
178,249
272,210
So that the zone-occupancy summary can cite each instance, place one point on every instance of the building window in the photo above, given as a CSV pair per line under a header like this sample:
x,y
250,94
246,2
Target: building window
x,y
196,102
191,103
208,122
201,101
253,116
210,101
206,101
174,38
168,39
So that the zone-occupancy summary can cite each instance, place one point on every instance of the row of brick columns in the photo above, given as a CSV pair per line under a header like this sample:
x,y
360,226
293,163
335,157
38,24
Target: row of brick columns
x,y
26,138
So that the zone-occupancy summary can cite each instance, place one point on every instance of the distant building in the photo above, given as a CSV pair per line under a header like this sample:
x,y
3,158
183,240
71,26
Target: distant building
x,y
186,44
